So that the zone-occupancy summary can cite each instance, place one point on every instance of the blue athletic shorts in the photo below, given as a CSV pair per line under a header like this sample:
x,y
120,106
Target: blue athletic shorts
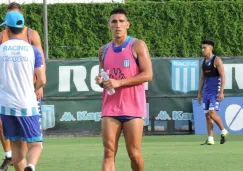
x,y
124,118
25,128
210,102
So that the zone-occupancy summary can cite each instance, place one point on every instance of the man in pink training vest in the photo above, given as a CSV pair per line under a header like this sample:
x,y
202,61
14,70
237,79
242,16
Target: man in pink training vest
x,y
129,65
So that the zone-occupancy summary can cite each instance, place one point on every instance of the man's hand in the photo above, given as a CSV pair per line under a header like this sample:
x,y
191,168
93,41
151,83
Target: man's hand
x,y
98,79
112,83
39,93
221,96
199,99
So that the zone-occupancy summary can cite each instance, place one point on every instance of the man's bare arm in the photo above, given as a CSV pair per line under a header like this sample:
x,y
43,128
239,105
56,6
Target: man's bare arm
x,y
220,66
201,82
101,55
41,78
36,41
1,37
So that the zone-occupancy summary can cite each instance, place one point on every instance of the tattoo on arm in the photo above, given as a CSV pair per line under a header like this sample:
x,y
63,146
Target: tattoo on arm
x,y
101,56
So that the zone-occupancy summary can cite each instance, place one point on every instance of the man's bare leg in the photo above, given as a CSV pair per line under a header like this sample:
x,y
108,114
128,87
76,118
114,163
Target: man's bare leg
x,y
133,133
24,147
209,125
111,131
7,162
18,157
215,117
5,143
34,153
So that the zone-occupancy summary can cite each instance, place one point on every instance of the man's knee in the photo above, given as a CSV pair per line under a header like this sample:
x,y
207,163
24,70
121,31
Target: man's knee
x,y
208,117
17,153
18,157
109,152
134,154
211,113
35,145
109,149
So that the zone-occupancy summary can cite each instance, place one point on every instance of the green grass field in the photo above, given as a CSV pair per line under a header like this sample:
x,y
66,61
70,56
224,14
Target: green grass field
x,y
161,153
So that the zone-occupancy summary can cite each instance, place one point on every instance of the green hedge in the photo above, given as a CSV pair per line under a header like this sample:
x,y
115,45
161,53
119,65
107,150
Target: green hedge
x,y
132,1
170,29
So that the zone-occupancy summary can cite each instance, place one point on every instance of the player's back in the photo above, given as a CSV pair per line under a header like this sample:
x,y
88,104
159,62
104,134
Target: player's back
x,y
24,35
17,63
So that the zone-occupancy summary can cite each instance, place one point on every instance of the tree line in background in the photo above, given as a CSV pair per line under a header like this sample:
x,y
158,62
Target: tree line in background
x,y
170,29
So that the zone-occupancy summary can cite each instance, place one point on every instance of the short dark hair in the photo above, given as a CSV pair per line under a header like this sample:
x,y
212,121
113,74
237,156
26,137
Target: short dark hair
x,y
15,30
208,42
118,11
14,5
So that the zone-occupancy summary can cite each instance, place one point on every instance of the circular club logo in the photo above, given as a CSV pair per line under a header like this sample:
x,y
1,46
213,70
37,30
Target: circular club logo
x,y
234,117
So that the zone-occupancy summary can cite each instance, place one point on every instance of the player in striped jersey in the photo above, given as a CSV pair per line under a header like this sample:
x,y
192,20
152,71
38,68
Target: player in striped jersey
x,y
32,37
18,106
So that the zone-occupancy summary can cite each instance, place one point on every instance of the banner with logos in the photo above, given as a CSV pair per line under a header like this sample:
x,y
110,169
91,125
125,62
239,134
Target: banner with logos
x,y
74,115
170,115
230,112
180,76
71,89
